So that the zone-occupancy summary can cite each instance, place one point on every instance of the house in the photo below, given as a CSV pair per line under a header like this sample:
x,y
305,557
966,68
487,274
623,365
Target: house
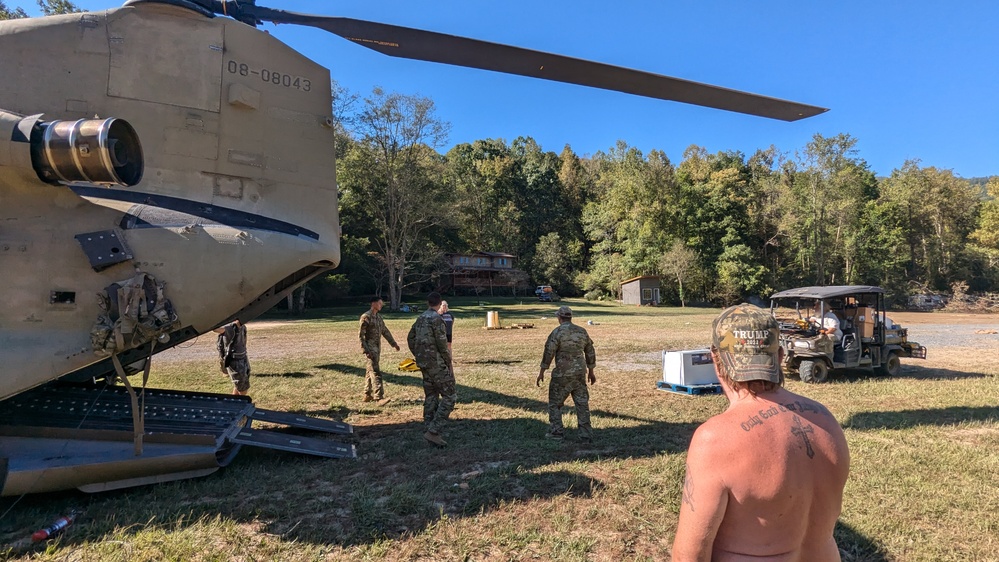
x,y
481,271
641,290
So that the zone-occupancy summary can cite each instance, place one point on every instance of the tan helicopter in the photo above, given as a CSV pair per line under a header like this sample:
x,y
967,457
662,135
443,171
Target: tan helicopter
x,y
164,170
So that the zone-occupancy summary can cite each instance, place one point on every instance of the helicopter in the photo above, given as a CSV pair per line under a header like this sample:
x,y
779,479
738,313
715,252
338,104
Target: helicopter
x,y
165,168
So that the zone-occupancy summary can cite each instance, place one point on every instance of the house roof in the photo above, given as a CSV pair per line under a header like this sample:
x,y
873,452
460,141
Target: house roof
x,y
490,254
625,282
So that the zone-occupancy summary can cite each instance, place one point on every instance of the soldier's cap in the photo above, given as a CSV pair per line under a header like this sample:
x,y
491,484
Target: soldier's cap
x,y
747,339
564,312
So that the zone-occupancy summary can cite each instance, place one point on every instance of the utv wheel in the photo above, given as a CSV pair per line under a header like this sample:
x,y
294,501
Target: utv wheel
x,y
891,366
813,372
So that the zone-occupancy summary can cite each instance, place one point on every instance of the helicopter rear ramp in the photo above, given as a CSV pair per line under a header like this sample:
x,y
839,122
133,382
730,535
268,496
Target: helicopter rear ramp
x,y
60,437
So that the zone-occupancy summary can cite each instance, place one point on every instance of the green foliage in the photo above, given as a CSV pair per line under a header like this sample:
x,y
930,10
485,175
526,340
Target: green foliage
x,y
987,233
940,214
555,260
738,274
717,226
56,7
48,8
11,14
393,188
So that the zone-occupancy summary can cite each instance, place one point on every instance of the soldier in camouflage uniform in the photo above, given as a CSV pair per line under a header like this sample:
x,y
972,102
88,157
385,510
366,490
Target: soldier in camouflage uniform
x,y
232,355
572,349
371,332
428,343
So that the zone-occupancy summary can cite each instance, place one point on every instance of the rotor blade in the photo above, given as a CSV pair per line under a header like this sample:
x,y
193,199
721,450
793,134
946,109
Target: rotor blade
x,y
460,51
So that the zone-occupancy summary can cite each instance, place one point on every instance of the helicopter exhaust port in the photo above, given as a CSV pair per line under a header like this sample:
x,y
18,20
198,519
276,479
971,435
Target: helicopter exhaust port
x,y
105,151
101,151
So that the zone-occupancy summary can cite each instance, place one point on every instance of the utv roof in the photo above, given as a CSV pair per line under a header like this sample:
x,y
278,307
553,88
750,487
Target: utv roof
x,y
826,292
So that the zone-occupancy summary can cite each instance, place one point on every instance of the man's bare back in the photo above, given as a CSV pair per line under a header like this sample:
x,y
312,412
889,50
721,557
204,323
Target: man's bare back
x,y
767,476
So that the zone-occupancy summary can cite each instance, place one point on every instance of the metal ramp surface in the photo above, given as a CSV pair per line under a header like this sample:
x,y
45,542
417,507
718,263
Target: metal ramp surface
x,y
295,443
62,436
302,422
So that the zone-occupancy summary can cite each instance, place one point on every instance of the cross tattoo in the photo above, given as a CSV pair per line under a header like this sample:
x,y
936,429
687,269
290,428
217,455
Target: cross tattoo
x,y
803,431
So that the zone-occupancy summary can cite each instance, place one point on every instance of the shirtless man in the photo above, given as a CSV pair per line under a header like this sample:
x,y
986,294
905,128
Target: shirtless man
x,y
764,478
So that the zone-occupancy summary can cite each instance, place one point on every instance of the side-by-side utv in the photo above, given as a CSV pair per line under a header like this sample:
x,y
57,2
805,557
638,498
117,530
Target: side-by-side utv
x,y
869,340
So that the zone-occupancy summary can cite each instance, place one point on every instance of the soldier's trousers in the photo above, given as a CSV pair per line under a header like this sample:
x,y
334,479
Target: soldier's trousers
x,y
561,388
239,373
439,398
373,378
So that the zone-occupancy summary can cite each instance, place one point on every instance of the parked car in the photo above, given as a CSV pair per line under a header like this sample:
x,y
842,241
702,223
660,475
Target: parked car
x,y
870,339
926,302
545,293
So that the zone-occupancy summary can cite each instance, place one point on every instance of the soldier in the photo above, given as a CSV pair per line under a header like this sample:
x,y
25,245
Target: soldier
x,y
428,343
232,355
765,477
572,349
370,334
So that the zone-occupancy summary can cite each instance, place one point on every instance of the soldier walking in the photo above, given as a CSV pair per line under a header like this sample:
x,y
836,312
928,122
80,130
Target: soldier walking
x,y
232,355
371,332
572,349
428,342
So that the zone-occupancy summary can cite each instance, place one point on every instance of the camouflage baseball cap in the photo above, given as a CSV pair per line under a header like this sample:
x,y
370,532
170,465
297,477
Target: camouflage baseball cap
x,y
748,340
564,312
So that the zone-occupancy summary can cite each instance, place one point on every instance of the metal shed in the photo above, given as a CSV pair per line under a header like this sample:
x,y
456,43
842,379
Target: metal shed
x,y
641,290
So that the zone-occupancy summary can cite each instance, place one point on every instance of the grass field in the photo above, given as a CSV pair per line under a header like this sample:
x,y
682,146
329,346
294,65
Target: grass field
x,y
924,484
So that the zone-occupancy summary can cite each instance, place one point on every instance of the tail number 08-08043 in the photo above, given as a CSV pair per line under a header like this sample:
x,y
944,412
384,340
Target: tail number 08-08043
x,y
270,76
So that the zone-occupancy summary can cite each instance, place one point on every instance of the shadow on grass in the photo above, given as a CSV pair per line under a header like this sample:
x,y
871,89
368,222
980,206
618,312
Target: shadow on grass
x,y
292,375
909,371
855,547
402,485
491,362
345,369
465,393
906,419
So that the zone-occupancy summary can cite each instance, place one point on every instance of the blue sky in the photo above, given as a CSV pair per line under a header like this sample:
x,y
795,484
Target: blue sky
x,y
907,79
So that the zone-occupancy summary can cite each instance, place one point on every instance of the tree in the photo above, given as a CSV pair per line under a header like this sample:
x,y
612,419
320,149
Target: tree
x,y
48,7
940,210
393,177
553,260
11,14
830,186
483,175
56,7
738,273
679,263
987,233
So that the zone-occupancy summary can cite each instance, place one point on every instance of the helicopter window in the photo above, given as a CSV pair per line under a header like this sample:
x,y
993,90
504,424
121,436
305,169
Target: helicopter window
x,y
62,297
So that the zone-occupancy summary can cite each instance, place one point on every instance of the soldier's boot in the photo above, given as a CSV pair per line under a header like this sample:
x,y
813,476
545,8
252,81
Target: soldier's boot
x,y
435,439
367,398
384,401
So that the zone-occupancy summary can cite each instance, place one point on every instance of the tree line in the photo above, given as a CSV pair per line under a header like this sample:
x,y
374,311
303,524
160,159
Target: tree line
x,y
717,228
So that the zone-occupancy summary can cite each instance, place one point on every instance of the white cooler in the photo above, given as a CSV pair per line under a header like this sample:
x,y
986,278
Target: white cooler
x,y
689,367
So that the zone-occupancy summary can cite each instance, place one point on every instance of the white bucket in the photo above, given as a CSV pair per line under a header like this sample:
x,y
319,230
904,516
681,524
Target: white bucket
x,y
492,319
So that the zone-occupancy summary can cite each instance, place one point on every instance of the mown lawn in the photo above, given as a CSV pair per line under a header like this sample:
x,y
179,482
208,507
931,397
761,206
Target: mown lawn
x,y
923,484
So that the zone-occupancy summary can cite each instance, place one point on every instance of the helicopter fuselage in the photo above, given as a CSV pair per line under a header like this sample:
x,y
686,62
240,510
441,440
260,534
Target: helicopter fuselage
x,y
237,204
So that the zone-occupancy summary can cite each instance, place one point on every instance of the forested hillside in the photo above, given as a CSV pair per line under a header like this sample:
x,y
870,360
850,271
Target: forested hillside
x,y
723,226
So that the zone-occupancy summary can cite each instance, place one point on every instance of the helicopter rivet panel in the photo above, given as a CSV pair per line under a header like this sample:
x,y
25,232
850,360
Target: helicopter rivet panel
x,y
104,248
149,64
